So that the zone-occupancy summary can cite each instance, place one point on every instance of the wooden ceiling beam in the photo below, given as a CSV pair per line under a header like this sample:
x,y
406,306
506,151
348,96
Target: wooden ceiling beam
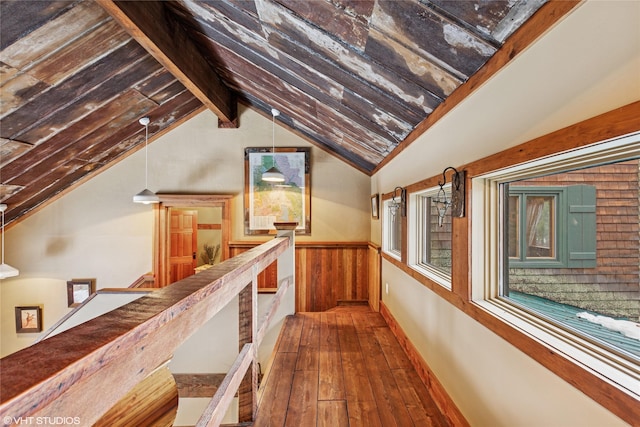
x,y
149,24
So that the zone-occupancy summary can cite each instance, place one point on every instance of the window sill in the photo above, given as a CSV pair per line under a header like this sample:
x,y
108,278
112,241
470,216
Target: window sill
x,y
617,371
436,277
393,255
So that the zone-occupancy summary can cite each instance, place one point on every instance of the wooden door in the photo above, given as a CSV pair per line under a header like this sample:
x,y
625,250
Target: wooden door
x,y
162,240
183,234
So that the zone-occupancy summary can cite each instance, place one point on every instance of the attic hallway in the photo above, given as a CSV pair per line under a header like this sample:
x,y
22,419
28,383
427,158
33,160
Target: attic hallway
x,y
343,367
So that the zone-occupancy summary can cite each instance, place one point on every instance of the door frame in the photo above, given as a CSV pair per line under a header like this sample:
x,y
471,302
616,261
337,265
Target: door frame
x,y
161,233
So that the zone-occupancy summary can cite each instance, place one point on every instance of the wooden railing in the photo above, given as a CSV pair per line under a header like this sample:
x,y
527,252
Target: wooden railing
x,y
98,303
144,281
81,373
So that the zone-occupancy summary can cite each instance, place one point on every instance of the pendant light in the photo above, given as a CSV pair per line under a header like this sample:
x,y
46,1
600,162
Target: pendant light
x,y
273,174
5,269
146,196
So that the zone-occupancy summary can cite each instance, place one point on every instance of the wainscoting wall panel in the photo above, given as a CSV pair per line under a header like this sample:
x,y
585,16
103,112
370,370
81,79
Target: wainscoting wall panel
x,y
375,272
327,273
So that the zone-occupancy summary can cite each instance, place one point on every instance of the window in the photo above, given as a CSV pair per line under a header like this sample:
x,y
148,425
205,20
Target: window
x,y
430,236
556,246
392,229
549,225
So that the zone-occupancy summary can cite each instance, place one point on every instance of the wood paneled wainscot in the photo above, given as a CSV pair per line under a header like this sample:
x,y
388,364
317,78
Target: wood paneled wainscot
x,y
327,273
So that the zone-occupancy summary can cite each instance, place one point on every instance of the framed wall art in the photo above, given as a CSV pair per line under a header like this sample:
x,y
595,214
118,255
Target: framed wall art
x,y
78,290
28,319
375,210
269,202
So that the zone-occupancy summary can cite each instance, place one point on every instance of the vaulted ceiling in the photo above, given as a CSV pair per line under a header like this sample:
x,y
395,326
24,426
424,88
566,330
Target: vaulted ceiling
x,y
358,79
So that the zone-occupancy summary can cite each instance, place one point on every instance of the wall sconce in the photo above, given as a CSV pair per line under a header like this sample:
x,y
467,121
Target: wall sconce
x,y
401,204
457,196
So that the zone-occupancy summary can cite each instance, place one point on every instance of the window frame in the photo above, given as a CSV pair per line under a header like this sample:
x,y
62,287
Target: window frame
x,y
488,249
387,231
559,260
416,227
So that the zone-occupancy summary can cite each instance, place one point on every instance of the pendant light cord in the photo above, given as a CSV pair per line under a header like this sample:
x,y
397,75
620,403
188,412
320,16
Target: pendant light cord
x,y
146,156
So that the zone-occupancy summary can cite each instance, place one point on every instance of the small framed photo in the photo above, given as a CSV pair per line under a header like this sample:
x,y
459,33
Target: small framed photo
x,y
78,290
375,211
28,319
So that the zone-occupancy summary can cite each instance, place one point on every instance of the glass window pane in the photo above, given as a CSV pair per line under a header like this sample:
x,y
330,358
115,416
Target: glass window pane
x,y
540,231
435,235
513,240
425,247
396,230
563,220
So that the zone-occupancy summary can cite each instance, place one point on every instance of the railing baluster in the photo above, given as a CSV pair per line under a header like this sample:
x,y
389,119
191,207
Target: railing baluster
x,y
215,411
247,393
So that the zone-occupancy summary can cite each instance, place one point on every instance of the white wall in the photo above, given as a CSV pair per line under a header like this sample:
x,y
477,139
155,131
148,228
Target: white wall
x,y
94,231
198,157
97,231
587,65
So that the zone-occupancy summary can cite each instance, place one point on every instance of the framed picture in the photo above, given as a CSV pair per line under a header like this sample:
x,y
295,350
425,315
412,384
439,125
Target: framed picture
x,y
375,211
267,202
28,319
78,290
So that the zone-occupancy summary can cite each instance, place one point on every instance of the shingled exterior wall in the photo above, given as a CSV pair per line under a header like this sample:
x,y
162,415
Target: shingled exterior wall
x,y
611,288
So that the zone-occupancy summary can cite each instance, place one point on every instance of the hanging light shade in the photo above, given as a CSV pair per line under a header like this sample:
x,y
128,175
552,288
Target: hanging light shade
x,y
273,174
146,196
5,269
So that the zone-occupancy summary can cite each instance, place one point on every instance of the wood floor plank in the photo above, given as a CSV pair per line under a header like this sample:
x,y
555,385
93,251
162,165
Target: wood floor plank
x,y
395,355
365,320
274,404
290,341
376,320
329,330
308,359
333,413
391,406
356,379
343,368
363,414
331,378
361,322
308,353
304,391
347,333
421,407
310,335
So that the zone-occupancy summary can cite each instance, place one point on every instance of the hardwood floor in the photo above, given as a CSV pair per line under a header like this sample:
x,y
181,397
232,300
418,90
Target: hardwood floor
x,y
343,368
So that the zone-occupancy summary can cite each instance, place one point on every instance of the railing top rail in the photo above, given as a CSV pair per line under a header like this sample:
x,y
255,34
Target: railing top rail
x,y
118,349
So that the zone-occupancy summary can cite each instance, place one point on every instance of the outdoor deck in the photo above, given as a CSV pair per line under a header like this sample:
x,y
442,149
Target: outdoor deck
x,y
343,368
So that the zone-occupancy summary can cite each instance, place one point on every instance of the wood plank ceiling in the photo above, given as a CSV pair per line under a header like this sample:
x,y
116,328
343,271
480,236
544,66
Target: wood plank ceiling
x,y
355,78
